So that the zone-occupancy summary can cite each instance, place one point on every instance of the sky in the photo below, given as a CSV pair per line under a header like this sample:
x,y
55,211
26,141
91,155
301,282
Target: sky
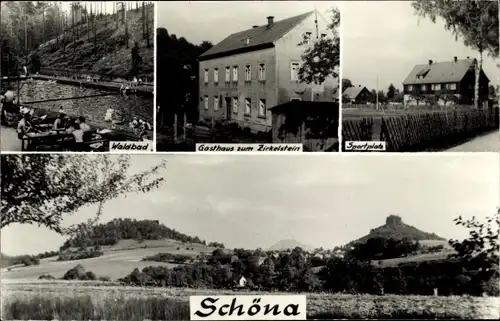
x,y
256,201
107,6
386,38
215,20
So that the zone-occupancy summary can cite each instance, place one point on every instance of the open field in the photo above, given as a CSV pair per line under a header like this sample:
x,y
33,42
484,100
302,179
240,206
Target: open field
x,y
118,260
417,258
86,300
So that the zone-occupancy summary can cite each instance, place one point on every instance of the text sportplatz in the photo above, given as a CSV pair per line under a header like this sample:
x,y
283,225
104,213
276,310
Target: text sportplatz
x,y
365,146
248,307
230,148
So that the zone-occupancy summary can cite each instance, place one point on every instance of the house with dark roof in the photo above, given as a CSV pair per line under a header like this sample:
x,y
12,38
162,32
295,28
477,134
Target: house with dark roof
x,y
357,95
455,77
250,71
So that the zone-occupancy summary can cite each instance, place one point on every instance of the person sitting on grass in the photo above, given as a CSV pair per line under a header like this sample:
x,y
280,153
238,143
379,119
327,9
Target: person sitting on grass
x,y
83,124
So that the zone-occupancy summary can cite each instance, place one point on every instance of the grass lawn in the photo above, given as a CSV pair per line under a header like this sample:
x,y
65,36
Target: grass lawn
x,y
84,300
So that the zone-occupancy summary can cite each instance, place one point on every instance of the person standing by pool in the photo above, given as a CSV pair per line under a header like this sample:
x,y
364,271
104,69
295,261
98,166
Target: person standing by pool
x,y
23,126
8,103
58,123
78,135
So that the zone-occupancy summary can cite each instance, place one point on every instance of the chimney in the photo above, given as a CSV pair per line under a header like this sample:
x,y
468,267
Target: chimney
x,y
455,59
253,27
270,21
430,62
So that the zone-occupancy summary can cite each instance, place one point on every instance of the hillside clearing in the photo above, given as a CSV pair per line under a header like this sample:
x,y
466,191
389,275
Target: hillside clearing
x,y
118,260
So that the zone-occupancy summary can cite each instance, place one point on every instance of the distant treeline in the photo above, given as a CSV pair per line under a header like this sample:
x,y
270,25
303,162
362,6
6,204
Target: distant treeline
x,y
82,253
28,260
125,229
353,273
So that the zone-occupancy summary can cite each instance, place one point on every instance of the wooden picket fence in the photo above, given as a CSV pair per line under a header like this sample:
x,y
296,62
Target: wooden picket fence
x,y
361,130
426,131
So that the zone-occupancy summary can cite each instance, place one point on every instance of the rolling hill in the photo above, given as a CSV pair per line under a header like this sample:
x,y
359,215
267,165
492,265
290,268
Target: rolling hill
x,y
289,244
395,228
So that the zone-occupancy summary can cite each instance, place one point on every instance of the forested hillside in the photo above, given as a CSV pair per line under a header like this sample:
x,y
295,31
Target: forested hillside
x,y
82,36
125,229
394,228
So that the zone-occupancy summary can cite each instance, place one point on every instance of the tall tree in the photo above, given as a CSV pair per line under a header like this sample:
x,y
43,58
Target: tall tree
x,y
45,189
391,91
321,59
346,83
475,22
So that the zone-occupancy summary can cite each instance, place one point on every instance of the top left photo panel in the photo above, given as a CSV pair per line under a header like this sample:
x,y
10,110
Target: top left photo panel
x,y
77,76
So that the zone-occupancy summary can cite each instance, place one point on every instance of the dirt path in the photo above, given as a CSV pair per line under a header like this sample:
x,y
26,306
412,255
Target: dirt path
x,y
485,143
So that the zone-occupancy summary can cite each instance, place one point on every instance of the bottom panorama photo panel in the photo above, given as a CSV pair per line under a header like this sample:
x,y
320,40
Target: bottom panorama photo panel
x,y
179,237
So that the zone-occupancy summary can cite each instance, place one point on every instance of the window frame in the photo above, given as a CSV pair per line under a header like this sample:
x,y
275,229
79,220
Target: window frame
x,y
236,105
216,103
262,72
264,114
248,73
249,100
235,74
296,74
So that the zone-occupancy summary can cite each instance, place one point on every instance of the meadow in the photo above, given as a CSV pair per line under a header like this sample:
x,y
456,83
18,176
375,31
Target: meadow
x,y
118,260
96,301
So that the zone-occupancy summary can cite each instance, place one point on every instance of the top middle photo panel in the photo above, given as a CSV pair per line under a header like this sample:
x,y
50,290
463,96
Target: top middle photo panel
x,y
257,73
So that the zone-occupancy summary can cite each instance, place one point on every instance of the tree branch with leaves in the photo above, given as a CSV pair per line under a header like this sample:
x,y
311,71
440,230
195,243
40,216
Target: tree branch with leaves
x,y
45,189
483,241
322,58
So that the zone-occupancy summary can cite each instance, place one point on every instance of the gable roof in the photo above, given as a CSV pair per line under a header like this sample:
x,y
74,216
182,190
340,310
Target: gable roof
x,y
352,92
260,37
439,72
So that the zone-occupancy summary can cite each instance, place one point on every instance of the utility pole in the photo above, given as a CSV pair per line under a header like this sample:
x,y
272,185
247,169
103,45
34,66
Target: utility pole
x,y
377,95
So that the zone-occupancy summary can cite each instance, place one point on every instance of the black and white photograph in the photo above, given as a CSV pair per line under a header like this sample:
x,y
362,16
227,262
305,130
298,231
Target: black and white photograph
x,y
375,237
421,76
248,72
76,75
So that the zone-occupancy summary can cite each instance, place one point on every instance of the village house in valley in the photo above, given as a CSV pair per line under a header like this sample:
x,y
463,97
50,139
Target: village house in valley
x,y
250,71
445,79
357,95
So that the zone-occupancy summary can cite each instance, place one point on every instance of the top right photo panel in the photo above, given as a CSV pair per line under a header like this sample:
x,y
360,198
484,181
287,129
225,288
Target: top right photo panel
x,y
420,76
